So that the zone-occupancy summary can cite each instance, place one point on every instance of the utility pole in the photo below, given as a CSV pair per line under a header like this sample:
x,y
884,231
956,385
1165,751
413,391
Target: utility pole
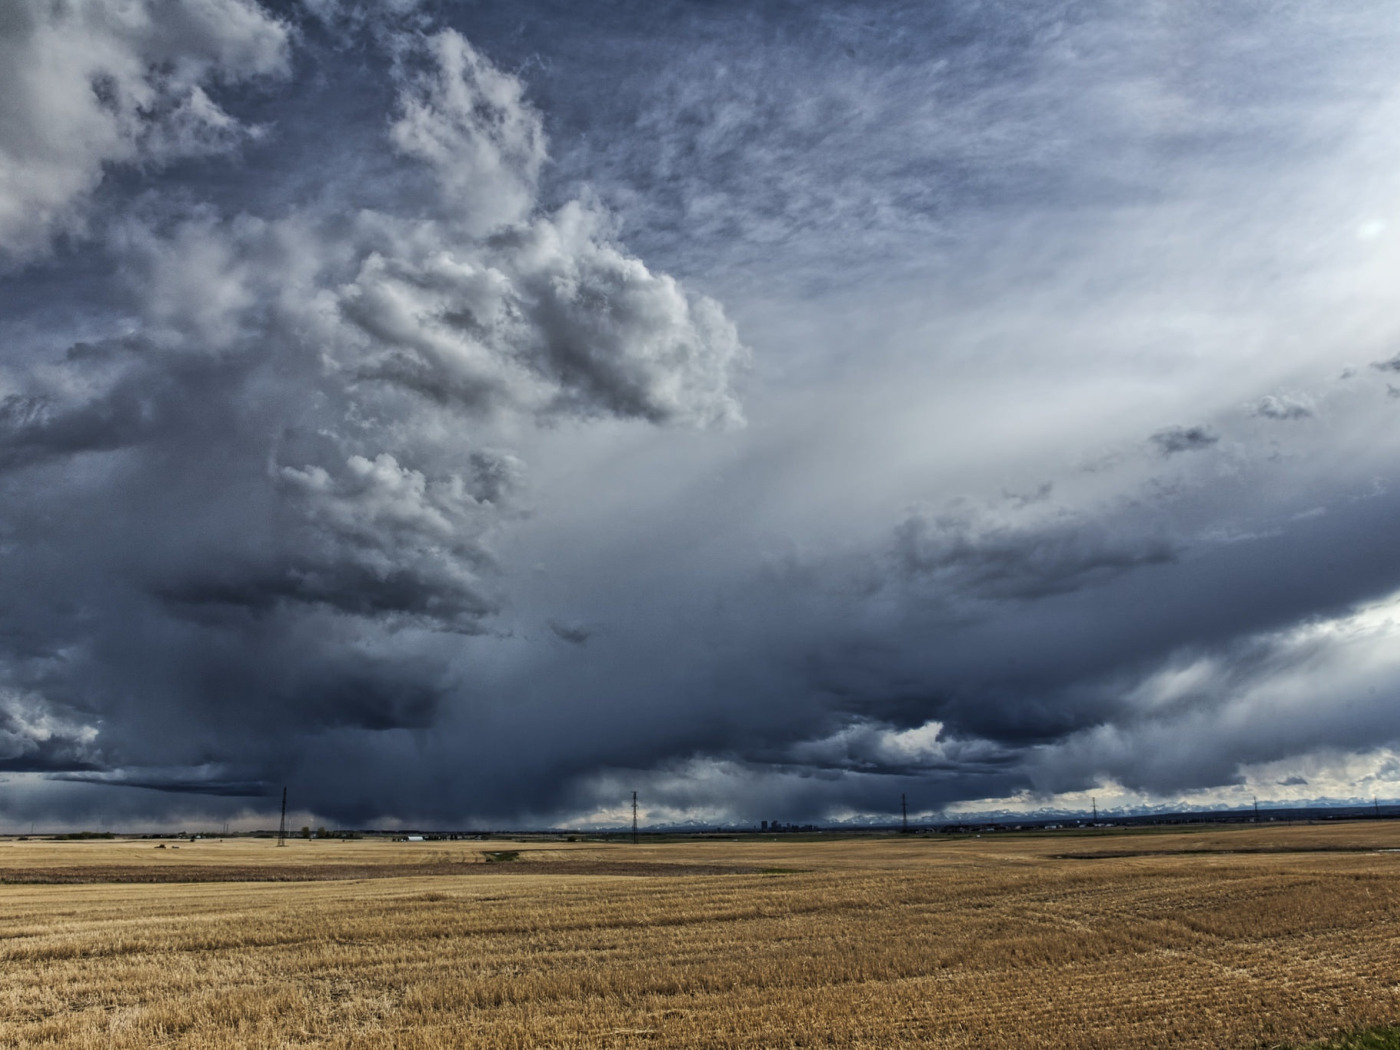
x,y
282,828
634,818
904,814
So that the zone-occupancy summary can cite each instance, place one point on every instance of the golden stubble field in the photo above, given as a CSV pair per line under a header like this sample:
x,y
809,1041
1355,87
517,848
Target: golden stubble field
x,y
1229,938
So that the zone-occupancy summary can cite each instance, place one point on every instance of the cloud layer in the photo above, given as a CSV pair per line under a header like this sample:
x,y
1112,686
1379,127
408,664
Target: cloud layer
x,y
370,421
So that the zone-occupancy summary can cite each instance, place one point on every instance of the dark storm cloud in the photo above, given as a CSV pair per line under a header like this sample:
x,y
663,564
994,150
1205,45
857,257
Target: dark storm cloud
x,y
1151,658
1142,670
125,403
197,782
1171,440
918,686
975,558
358,590
266,509
574,634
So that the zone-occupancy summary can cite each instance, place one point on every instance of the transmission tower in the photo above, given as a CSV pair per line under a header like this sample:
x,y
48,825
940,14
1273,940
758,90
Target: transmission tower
x,y
634,818
904,814
1095,803
282,828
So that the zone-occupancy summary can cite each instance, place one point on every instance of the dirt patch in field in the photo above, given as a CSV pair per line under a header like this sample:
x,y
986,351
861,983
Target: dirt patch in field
x,y
160,873
1209,852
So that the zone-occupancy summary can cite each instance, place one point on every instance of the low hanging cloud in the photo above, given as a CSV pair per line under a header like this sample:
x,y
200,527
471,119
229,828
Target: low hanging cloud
x,y
35,736
1201,715
376,540
573,633
891,751
970,555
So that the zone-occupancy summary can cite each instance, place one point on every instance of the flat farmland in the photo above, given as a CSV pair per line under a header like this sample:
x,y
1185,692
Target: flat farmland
x,y
1242,937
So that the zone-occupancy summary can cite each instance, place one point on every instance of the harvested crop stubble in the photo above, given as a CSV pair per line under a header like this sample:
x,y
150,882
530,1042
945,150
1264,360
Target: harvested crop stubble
x,y
874,942
340,872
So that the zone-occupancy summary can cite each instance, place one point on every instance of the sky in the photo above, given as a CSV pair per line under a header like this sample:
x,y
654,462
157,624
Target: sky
x,y
466,414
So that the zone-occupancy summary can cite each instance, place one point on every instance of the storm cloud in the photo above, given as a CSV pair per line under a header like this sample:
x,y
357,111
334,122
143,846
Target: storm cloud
x,y
1171,440
470,417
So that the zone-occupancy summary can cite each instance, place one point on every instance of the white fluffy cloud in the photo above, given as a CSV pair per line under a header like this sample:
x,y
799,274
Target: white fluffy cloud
x,y
93,83
33,732
470,123
550,317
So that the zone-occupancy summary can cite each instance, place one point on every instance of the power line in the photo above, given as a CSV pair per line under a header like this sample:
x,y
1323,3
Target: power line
x,y
282,828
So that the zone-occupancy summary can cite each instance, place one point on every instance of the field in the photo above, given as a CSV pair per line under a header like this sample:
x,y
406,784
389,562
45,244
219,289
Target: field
x,y
1252,936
